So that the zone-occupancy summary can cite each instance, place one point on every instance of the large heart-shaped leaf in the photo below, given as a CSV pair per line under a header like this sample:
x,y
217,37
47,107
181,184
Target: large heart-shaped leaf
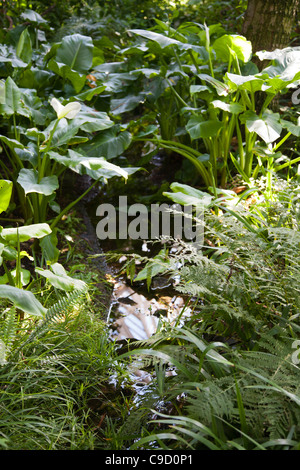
x,y
24,300
49,248
114,82
24,47
33,17
90,120
165,41
12,94
248,82
2,92
72,59
11,100
76,51
293,128
233,108
8,55
268,126
128,103
95,167
89,94
77,79
5,194
24,233
87,120
11,143
198,128
29,180
60,279
233,42
187,195
286,63
108,144
24,277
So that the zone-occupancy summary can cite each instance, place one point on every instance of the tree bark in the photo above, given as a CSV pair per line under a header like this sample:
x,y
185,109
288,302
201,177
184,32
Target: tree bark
x,y
268,24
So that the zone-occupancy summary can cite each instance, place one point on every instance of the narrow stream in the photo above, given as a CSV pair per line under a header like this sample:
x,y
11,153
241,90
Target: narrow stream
x,y
134,312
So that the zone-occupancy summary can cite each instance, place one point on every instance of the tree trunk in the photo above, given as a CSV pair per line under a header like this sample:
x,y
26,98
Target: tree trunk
x,y
268,24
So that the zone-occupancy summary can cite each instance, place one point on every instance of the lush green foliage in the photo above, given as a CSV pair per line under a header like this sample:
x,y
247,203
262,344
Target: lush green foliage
x,y
89,89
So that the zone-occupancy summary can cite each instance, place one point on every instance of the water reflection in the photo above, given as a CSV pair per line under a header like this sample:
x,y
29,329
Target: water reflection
x,y
135,316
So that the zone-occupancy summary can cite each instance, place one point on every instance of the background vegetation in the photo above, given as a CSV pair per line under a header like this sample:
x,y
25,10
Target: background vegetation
x,y
92,95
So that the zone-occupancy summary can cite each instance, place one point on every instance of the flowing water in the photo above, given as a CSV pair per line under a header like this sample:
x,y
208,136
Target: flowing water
x,y
135,311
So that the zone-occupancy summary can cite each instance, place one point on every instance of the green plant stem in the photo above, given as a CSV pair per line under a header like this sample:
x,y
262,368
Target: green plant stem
x,y
72,204
178,96
282,141
187,152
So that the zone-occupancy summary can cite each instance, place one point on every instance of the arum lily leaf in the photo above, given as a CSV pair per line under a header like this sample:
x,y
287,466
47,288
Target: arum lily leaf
x,y
48,245
238,44
5,194
293,128
72,59
11,143
198,128
76,51
60,279
89,120
8,55
115,82
199,89
29,180
2,92
268,126
88,94
36,78
95,164
165,41
12,99
64,132
24,233
24,300
108,144
77,79
24,277
33,17
186,195
221,88
123,105
24,47
95,167
233,108
286,64
248,82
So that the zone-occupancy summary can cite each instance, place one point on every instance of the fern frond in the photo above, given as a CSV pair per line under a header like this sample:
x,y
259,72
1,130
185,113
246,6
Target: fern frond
x,y
55,313
9,328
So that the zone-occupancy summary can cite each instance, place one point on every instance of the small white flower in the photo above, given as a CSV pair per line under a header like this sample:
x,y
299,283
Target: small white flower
x,y
69,111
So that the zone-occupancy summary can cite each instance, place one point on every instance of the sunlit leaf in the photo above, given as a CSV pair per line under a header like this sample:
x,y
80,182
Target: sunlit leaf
x,y
59,278
24,233
29,180
5,194
233,42
25,300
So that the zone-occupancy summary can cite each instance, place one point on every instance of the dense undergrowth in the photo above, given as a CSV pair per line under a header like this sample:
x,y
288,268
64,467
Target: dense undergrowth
x,y
90,89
